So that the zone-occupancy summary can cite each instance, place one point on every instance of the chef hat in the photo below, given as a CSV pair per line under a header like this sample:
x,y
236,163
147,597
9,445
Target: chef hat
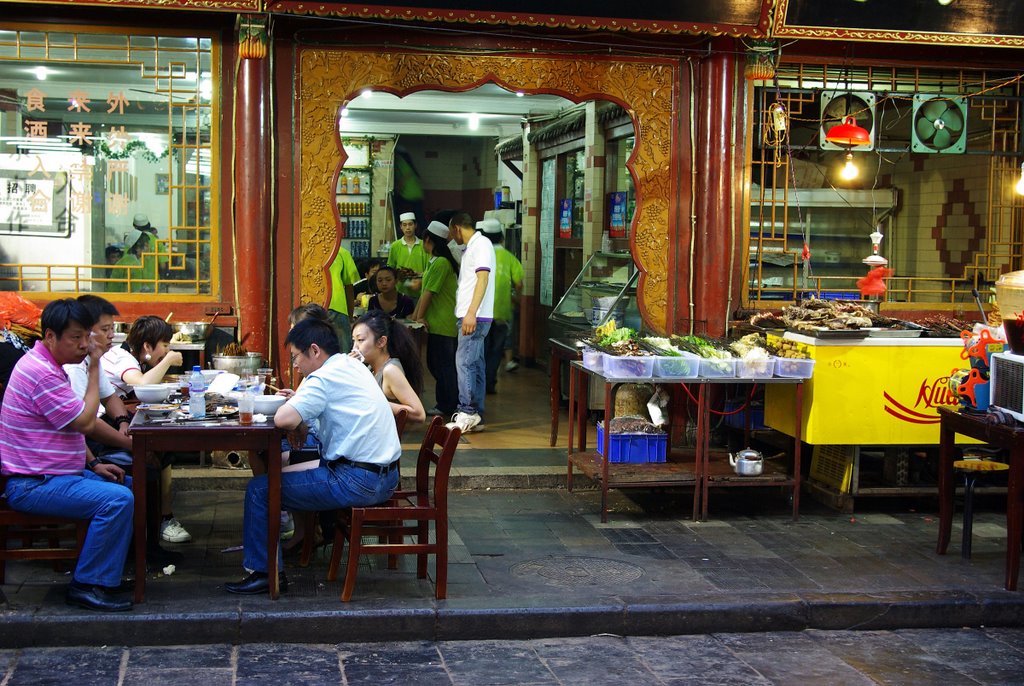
x,y
489,226
141,223
407,217
438,229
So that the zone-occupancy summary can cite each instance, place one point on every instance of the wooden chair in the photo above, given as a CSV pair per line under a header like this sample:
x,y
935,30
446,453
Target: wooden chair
x,y
407,513
309,518
28,529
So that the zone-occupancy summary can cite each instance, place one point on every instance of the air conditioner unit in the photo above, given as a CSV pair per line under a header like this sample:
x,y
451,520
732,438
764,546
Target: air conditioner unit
x,y
1006,383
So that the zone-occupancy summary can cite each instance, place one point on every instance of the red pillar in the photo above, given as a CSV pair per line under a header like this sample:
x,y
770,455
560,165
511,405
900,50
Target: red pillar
x,y
252,268
718,156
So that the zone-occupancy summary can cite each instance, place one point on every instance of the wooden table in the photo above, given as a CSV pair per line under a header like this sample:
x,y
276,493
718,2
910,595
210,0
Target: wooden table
x,y
562,349
700,473
1011,438
149,437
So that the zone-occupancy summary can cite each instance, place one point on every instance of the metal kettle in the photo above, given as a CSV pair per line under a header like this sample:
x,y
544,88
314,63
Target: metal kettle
x,y
747,462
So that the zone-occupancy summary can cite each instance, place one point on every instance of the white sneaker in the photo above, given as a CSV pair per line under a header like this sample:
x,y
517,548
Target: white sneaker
x,y
511,366
172,531
287,525
466,423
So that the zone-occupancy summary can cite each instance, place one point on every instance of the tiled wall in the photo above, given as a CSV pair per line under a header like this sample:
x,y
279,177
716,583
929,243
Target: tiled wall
x,y
942,218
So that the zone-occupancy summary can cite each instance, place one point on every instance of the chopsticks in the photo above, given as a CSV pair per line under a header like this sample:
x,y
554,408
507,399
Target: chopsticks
x,y
272,387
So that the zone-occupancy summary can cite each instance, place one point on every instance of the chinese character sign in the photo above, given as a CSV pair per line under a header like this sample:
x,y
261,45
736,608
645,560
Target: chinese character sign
x,y
25,203
565,218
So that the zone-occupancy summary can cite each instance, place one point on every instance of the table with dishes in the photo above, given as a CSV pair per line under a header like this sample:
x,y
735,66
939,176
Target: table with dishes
x,y
168,425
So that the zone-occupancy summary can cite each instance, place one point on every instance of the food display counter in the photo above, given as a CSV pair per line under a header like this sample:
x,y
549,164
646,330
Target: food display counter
x,y
701,470
874,391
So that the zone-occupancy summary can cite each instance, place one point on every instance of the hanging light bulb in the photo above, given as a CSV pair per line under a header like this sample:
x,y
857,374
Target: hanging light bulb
x,y
849,171
1020,183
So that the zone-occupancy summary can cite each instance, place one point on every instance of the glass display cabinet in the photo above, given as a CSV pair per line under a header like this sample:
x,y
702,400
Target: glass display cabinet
x,y
604,289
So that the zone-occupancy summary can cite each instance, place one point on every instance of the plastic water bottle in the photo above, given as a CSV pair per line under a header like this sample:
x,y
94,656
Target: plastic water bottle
x,y
197,394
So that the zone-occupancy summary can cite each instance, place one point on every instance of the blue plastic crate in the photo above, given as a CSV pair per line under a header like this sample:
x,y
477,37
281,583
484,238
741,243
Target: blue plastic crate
x,y
633,448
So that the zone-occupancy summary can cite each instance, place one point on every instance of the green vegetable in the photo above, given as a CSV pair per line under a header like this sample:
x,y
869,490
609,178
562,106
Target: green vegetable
x,y
617,336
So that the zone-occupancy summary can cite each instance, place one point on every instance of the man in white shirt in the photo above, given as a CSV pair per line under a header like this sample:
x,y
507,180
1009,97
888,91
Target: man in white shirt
x,y
474,310
359,445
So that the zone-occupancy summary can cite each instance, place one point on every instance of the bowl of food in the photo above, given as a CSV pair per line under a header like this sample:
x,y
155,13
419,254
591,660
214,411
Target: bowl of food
x,y
195,332
268,404
154,393
157,410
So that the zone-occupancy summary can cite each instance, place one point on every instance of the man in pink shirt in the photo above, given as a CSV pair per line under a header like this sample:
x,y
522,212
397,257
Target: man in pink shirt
x,y
42,453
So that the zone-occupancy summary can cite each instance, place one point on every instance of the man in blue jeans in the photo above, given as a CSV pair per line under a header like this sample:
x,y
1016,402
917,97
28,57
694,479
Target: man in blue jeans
x,y
42,453
359,445
474,310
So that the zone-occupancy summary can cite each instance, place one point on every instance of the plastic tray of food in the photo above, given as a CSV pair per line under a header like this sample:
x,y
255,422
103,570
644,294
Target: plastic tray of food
x,y
628,367
894,333
792,368
757,368
718,368
593,359
685,366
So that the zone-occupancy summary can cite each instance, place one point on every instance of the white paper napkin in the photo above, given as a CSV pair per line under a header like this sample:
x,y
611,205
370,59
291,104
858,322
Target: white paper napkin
x,y
223,383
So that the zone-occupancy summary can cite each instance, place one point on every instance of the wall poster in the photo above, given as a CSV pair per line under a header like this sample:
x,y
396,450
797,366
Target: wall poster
x,y
34,207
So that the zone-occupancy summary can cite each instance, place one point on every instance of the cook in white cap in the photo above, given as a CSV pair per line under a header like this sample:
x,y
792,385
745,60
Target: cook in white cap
x,y
436,309
508,282
138,264
407,253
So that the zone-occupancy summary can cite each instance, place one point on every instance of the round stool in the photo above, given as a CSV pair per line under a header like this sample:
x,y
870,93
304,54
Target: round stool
x,y
972,469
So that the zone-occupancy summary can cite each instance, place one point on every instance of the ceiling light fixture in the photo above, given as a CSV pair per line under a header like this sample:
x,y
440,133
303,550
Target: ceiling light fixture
x,y
520,94
367,93
849,171
41,73
344,111
1020,182
848,133
474,121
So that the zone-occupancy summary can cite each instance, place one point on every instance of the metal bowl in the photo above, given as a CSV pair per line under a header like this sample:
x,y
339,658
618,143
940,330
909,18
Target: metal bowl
x,y
197,331
236,364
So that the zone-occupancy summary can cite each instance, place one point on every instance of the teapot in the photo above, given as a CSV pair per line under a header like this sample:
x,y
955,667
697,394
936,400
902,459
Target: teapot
x,y
747,462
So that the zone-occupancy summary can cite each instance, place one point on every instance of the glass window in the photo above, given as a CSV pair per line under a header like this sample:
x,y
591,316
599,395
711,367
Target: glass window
x,y
107,133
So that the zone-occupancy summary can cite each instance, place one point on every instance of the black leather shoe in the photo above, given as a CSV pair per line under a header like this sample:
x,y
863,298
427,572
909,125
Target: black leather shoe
x,y
255,584
96,598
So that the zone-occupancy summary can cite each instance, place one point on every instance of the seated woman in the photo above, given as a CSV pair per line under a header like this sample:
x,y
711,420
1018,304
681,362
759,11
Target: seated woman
x,y
144,358
388,300
390,351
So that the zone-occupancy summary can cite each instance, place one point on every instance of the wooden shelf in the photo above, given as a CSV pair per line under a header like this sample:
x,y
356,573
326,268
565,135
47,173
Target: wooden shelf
x,y
721,473
633,475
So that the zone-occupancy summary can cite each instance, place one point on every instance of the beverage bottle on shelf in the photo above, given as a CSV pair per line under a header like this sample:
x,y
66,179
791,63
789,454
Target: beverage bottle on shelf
x,y
355,184
197,394
343,184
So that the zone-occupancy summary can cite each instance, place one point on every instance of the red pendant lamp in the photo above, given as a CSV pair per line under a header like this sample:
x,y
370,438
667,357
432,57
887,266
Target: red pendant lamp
x,y
848,134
